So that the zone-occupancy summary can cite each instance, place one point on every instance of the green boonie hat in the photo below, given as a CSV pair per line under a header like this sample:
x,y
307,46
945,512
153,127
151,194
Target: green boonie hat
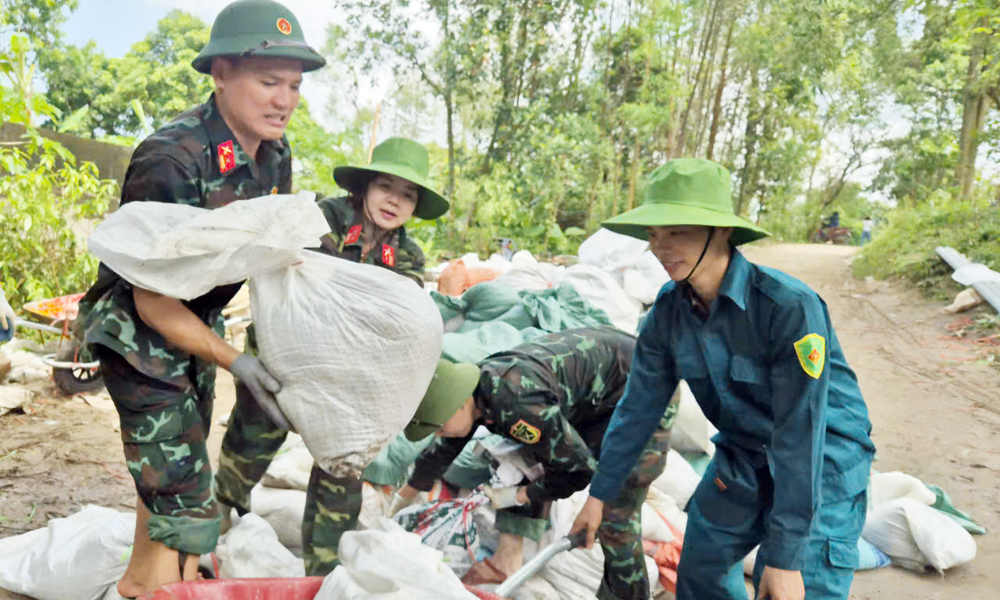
x,y
451,386
257,28
687,191
403,158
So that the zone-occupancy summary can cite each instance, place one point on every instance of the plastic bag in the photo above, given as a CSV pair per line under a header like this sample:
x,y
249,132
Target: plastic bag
x,y
387,563
291,467
447,526
75,558
915,536
251,549
609,250
184,251
355,347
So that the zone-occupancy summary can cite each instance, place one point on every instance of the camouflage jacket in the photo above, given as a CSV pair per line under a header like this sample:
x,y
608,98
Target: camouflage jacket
x,y
193,160
396,252
555,395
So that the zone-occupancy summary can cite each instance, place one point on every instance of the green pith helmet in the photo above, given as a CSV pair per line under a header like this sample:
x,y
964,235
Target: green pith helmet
x,y
451,386
257,28
403,158
687,191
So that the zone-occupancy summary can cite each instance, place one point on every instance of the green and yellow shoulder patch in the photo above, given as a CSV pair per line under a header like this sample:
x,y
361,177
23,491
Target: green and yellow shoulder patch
x,y
811,351
523,431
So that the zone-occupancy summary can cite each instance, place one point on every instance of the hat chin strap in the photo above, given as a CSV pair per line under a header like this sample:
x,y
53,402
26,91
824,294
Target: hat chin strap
x,y
708,242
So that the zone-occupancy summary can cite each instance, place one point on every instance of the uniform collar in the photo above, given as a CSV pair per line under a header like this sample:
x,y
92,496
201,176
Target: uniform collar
x,y
219,134
353,238
736,283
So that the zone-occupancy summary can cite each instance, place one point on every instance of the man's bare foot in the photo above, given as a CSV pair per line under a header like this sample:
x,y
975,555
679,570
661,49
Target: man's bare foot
x,y
128,587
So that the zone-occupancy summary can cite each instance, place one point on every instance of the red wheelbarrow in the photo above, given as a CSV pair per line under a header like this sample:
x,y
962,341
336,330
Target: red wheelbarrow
x,y
305,588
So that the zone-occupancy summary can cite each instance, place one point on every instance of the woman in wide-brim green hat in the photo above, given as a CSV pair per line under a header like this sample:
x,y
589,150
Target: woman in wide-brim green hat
x,y
368,225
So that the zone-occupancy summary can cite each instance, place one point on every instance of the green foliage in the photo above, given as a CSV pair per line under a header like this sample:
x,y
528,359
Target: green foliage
x,y
905,248
44,197
156,73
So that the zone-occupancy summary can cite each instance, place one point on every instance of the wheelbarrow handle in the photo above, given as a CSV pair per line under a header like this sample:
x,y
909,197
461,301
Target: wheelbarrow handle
x,y
534,565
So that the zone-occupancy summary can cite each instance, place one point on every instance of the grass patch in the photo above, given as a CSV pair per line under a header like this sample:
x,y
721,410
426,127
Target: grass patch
x,y
905,248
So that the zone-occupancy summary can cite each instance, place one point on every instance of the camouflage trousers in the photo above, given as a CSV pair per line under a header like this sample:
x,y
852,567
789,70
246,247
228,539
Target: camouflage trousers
x,y
620,533
164,427
252,440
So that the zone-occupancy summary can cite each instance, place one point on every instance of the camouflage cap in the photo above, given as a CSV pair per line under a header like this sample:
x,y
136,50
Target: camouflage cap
x,y
451,386
257,28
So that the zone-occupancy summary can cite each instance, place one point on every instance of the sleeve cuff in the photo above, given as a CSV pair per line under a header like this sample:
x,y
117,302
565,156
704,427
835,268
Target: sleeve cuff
x,y
785,553
604,488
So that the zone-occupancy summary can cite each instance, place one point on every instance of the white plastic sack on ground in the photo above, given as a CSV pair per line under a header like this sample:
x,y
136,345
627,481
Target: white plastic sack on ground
x,y
667,508
354,346
609,250
679,479
915,536
577,574
692,432
291,467
602,291
895,485
75,558
643,279
387,563
536,588
183,251
532,276
251,549
282,509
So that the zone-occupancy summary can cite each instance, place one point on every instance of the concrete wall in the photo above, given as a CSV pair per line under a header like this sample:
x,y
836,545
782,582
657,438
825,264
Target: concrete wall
x,y
111,159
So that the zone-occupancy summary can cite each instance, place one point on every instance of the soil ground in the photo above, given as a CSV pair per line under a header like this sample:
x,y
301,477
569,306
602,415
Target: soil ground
x,y
934,404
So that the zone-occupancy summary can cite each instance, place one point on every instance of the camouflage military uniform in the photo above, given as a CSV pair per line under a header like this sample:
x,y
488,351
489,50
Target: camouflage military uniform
x,y
164,395
556,395
252,439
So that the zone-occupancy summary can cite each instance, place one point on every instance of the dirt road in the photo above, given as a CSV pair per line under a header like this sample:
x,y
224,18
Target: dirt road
x,y
936,415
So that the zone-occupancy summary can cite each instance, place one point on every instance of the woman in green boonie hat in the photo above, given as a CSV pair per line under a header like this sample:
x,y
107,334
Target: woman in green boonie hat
x,y
758,351
366,226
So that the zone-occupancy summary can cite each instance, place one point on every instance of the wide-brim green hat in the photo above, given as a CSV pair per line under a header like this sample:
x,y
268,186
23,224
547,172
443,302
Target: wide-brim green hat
x,y
257,28
687,191
450,387
403,158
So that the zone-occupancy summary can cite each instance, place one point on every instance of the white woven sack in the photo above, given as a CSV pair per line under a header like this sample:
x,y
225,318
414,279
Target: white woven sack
x,y
354,347
184,251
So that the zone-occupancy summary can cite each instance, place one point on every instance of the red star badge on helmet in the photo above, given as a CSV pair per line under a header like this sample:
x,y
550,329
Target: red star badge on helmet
x,y
284,26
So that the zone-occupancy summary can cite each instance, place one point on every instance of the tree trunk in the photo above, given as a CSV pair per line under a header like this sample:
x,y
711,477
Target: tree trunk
x,y
450,111
973,114
717,107
747,175
703,51
633,177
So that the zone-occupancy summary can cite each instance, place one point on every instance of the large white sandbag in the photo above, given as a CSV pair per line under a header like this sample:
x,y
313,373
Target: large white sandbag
x,y
251,549
692,431
667,508
291,467
643,279
895,485
283,510
602,291
354,346
75,558
679,479
609,250
916,536
184,251
388,563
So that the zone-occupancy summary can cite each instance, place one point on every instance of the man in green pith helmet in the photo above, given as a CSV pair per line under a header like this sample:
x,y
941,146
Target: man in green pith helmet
x,y
158,355
555,395
758,350
367,227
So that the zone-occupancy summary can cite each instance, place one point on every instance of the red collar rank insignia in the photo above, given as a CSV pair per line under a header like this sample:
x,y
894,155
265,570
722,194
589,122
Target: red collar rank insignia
x,y
353,234
227,156
388,255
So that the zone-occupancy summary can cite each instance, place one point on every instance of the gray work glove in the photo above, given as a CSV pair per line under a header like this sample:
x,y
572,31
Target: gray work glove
x,y
262,385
